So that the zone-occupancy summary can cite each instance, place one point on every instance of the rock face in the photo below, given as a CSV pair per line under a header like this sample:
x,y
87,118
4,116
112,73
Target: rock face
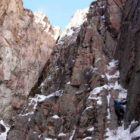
x,y
129,57
25,47
73,98
70,91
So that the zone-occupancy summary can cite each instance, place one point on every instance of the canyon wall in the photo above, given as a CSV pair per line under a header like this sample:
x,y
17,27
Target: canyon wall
x,y
129,58
66,90
74,94
25,46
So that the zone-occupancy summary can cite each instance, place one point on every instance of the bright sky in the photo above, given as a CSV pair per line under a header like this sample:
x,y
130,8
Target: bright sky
x,y
58,11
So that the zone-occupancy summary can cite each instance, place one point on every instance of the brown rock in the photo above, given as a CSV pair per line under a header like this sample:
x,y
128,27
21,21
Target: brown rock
x,y
25,47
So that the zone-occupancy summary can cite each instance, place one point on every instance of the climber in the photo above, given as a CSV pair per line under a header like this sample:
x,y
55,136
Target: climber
x,y
119,106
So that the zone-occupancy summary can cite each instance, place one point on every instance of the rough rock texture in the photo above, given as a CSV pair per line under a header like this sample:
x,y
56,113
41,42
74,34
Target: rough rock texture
x,y
128,54
73,98
115,8
25,47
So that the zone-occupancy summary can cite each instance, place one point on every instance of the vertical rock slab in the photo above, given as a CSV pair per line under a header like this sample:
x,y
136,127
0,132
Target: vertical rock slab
x,y
25,46
129,57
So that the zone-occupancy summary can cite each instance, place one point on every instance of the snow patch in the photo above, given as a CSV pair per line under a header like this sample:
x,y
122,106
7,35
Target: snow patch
x,y
97,90
116,75
61,135
88,138
49,139
108,114
108,109
55,117
39,18
27,114
108,99
57,31
91,129
112,64
98,99
116,86
71,138
76,21
89,107
68,83
3,136
42,19
121,134
40,98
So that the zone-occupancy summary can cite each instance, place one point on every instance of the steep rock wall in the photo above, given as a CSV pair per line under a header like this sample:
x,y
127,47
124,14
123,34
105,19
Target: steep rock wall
x,y
61,105
129,58
25,47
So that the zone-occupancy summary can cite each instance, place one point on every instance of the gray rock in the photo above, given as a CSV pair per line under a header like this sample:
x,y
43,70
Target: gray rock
x,y
134,126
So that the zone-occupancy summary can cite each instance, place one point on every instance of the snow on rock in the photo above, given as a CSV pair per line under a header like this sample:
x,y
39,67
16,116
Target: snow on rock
x,y
121,134
122,91
116,86
49,139
91,129
108,99
98,99
61,134
76,21
55,117
40,98
27,114
136,133
108,114
88,138
94,94
78,18
112,64
108,109
116,75
42,19
39,18
3,136
68,83
57,31
97,90
111,84
71,137
89,107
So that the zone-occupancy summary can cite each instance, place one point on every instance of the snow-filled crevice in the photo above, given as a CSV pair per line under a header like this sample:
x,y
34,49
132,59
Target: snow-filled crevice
x,y
33,102
112,84
107,90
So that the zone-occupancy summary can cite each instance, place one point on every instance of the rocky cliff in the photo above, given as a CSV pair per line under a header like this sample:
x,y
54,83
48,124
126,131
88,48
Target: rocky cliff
x,y
129,57
72,96
25,46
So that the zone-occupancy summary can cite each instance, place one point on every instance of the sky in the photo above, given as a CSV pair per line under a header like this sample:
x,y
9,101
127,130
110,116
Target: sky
x,y
58,11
